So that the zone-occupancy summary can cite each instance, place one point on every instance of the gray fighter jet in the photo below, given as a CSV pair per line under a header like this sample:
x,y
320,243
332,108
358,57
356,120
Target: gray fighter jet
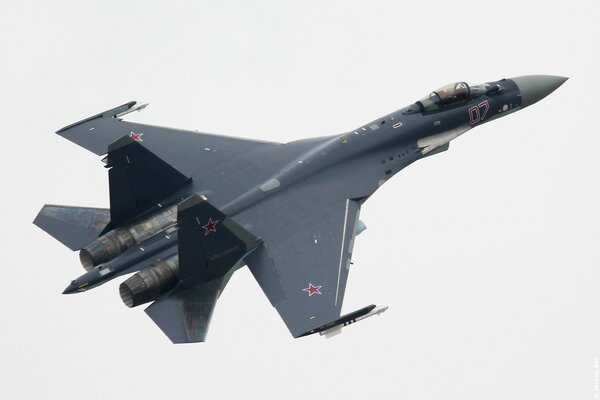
x,y
187,209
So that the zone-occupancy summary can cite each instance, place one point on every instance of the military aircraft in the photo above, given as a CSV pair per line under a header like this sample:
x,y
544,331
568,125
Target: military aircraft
x,y
187,209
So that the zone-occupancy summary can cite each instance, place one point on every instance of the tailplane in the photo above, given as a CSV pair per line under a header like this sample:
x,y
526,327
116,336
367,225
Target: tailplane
x,y
74,227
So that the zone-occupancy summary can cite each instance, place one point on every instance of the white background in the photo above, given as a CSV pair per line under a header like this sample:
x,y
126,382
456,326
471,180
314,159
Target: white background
x,y
487,254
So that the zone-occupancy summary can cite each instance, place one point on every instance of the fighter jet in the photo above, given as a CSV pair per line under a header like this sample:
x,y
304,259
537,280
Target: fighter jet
x,y
188,209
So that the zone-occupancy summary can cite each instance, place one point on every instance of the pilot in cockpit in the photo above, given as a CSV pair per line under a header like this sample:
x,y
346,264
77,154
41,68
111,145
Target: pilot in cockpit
x,y
448,95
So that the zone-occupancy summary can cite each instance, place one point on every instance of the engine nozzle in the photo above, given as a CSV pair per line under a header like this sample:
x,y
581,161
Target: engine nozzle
x,y
115,242
150,283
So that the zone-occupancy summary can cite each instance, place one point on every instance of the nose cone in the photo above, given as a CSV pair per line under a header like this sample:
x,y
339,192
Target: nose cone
x,y
75,287
72,288
533,88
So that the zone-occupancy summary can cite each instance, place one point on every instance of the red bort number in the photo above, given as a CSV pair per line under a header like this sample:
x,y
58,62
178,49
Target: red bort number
x,y
475,115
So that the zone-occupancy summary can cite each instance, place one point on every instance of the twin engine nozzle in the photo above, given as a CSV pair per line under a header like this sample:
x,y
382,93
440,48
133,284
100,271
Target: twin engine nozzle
x,y
115,242
150,283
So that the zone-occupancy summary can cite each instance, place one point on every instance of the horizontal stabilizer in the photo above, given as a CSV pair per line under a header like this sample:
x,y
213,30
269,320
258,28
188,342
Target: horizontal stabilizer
x,y
138,180
72,226
184,314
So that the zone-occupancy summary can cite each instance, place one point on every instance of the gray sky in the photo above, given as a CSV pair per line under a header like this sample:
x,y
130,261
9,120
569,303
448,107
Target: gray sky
x,y
487,254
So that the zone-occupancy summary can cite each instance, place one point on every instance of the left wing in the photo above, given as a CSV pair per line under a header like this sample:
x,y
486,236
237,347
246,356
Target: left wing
x,y
303,270
308,236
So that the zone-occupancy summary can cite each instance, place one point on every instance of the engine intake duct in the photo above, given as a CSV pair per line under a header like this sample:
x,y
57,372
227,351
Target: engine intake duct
x,y
150,283
115,242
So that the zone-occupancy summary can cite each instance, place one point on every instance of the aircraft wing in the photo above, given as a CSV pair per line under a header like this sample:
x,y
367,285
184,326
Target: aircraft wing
x,y
187,151
303,265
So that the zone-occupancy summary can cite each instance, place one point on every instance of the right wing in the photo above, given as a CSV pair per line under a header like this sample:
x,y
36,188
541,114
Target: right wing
x,y
187,151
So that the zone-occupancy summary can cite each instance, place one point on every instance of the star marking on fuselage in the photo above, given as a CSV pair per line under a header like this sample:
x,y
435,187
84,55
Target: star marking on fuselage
x,y
136,136
210,226
312,289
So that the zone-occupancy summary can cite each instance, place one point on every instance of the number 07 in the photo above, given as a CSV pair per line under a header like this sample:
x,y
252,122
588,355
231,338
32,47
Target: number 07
x,y
475,115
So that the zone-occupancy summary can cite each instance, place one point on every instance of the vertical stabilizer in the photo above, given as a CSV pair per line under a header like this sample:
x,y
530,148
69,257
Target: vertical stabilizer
x,y
138,180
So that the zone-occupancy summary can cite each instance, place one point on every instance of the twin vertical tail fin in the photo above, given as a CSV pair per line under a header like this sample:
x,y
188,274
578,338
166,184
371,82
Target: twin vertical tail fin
x,y
211,247
138,181
209,243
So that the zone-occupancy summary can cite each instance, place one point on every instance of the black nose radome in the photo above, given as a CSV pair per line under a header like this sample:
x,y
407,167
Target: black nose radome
x,y
533,88
72,288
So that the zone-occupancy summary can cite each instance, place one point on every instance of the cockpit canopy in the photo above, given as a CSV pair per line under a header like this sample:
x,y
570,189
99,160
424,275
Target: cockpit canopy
x,y
449,95
445,96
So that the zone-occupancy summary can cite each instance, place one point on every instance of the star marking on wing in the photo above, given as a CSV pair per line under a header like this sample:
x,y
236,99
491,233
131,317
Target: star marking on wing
x,y
210,226
312,289
136,136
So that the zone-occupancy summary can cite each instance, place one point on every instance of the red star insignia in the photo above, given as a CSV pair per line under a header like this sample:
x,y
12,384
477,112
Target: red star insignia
x,y
312,289
136,136
210,226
